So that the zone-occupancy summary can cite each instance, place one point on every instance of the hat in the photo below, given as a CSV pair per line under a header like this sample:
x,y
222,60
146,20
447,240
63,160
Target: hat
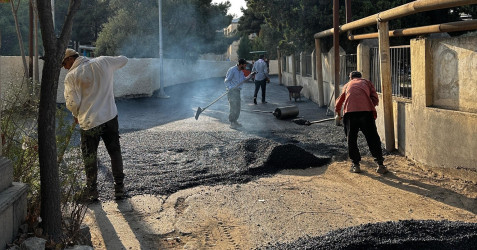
x,y
70,52
355,74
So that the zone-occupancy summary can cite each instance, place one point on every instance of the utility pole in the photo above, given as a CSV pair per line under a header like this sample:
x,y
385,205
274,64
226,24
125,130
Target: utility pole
x,y
162,94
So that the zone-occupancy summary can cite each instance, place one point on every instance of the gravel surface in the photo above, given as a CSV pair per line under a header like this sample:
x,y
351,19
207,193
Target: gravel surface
x,y
162,161
406,234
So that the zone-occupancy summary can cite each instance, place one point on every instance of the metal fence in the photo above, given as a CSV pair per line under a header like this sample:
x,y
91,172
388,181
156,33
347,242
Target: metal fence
x,y
400,70
307,62
297,64
348,63
284,64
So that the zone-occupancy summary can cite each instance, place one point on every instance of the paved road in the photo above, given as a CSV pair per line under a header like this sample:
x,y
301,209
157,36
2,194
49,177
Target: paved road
x,y
165,149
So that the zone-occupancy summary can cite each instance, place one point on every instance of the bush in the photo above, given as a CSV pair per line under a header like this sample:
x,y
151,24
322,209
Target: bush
x,y
19,120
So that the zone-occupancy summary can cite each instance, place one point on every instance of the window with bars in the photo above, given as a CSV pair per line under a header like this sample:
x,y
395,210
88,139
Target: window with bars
x,y
307,62
400,70
347,65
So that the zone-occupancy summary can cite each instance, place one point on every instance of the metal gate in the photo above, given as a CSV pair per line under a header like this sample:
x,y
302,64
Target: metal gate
x,y
400,70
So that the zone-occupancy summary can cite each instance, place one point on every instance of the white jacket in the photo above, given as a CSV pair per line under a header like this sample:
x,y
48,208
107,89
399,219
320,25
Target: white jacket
x,y
89,89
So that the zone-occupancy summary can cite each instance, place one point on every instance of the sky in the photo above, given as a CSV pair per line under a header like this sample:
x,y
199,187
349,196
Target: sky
x,y
235,6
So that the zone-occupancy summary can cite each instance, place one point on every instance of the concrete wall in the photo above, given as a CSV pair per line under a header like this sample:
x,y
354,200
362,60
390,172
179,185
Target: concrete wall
x,y
310,85
140,77
426,130
438,126
455,73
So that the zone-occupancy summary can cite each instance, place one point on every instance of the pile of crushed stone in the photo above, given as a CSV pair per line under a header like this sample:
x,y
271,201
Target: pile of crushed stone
x,y
159,169
405,234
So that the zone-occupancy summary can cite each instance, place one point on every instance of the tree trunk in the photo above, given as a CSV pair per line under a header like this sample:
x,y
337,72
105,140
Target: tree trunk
x,y
19,36
49,175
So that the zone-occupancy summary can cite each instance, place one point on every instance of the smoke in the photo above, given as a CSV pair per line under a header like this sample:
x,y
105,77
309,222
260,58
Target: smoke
x,y
190,28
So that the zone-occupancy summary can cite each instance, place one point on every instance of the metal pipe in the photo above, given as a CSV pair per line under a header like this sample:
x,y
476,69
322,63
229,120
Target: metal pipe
x,y
397,12
437,28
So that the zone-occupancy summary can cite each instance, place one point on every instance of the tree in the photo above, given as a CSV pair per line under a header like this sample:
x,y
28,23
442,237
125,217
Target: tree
x,y
250,22
244,48
299,20
191,28
10,46
88,20
54,51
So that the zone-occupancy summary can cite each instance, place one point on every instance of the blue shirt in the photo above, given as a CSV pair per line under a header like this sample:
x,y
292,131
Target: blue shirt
x,y
234,77
261,68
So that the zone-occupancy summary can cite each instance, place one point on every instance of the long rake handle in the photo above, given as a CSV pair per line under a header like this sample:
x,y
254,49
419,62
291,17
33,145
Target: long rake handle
x,y
210,104
200,110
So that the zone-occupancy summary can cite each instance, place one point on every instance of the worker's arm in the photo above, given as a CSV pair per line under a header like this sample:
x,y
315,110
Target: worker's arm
x,y
373,95
339,102
72,97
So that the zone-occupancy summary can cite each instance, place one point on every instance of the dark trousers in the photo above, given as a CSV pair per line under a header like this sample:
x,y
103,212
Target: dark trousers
x,y
364,121
234,104
260,84
109,132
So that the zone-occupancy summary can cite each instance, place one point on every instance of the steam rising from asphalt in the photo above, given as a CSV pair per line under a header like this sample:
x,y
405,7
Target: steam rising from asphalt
x,y
179,19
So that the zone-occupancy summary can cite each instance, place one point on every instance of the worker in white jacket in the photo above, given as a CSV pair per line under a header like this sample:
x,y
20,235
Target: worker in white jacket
x,y
90,98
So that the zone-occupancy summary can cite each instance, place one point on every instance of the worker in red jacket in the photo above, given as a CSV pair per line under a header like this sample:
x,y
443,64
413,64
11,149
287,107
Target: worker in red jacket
x,y
359,99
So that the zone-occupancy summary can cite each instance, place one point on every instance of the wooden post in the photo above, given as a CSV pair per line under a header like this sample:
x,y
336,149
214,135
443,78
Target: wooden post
x,y
279,57
336,48
319,72
385,67
293,68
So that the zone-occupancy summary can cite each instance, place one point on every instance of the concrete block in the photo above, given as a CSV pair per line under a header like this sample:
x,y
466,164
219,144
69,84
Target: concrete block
x,y
13,202
6,227
6,173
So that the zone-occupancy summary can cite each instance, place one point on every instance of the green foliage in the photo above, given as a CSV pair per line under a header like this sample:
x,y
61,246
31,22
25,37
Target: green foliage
x,y
88,20
250,22
190,28
20,145
298,21
244,48
9,43
286,48
268,40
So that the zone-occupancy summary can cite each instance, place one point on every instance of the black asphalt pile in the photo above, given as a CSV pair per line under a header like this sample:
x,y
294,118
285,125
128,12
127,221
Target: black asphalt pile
x,y
266,157
290,156
162,163
406,234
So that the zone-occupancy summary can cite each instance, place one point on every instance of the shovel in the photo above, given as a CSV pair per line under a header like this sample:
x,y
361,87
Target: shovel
x,y
301,121
200,110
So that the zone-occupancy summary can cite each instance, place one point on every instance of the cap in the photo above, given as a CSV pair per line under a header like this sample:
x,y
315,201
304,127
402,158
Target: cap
x,y
70,52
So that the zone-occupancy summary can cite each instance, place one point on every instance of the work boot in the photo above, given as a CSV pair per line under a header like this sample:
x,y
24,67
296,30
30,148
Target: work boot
x,y
118,191
355,168
255,100
235,124
382,169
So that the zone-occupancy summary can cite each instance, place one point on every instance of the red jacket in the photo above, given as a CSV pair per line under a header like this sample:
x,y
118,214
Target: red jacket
x,y
358,95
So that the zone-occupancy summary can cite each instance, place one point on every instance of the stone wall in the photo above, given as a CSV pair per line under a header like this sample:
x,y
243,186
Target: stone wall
x,y
455,73
140,77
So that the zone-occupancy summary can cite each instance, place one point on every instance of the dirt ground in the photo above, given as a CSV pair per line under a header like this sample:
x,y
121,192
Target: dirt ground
x,y
284,207
198,184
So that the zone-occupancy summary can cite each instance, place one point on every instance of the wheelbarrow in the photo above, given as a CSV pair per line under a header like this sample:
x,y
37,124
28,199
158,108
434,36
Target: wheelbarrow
x,y
294,92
